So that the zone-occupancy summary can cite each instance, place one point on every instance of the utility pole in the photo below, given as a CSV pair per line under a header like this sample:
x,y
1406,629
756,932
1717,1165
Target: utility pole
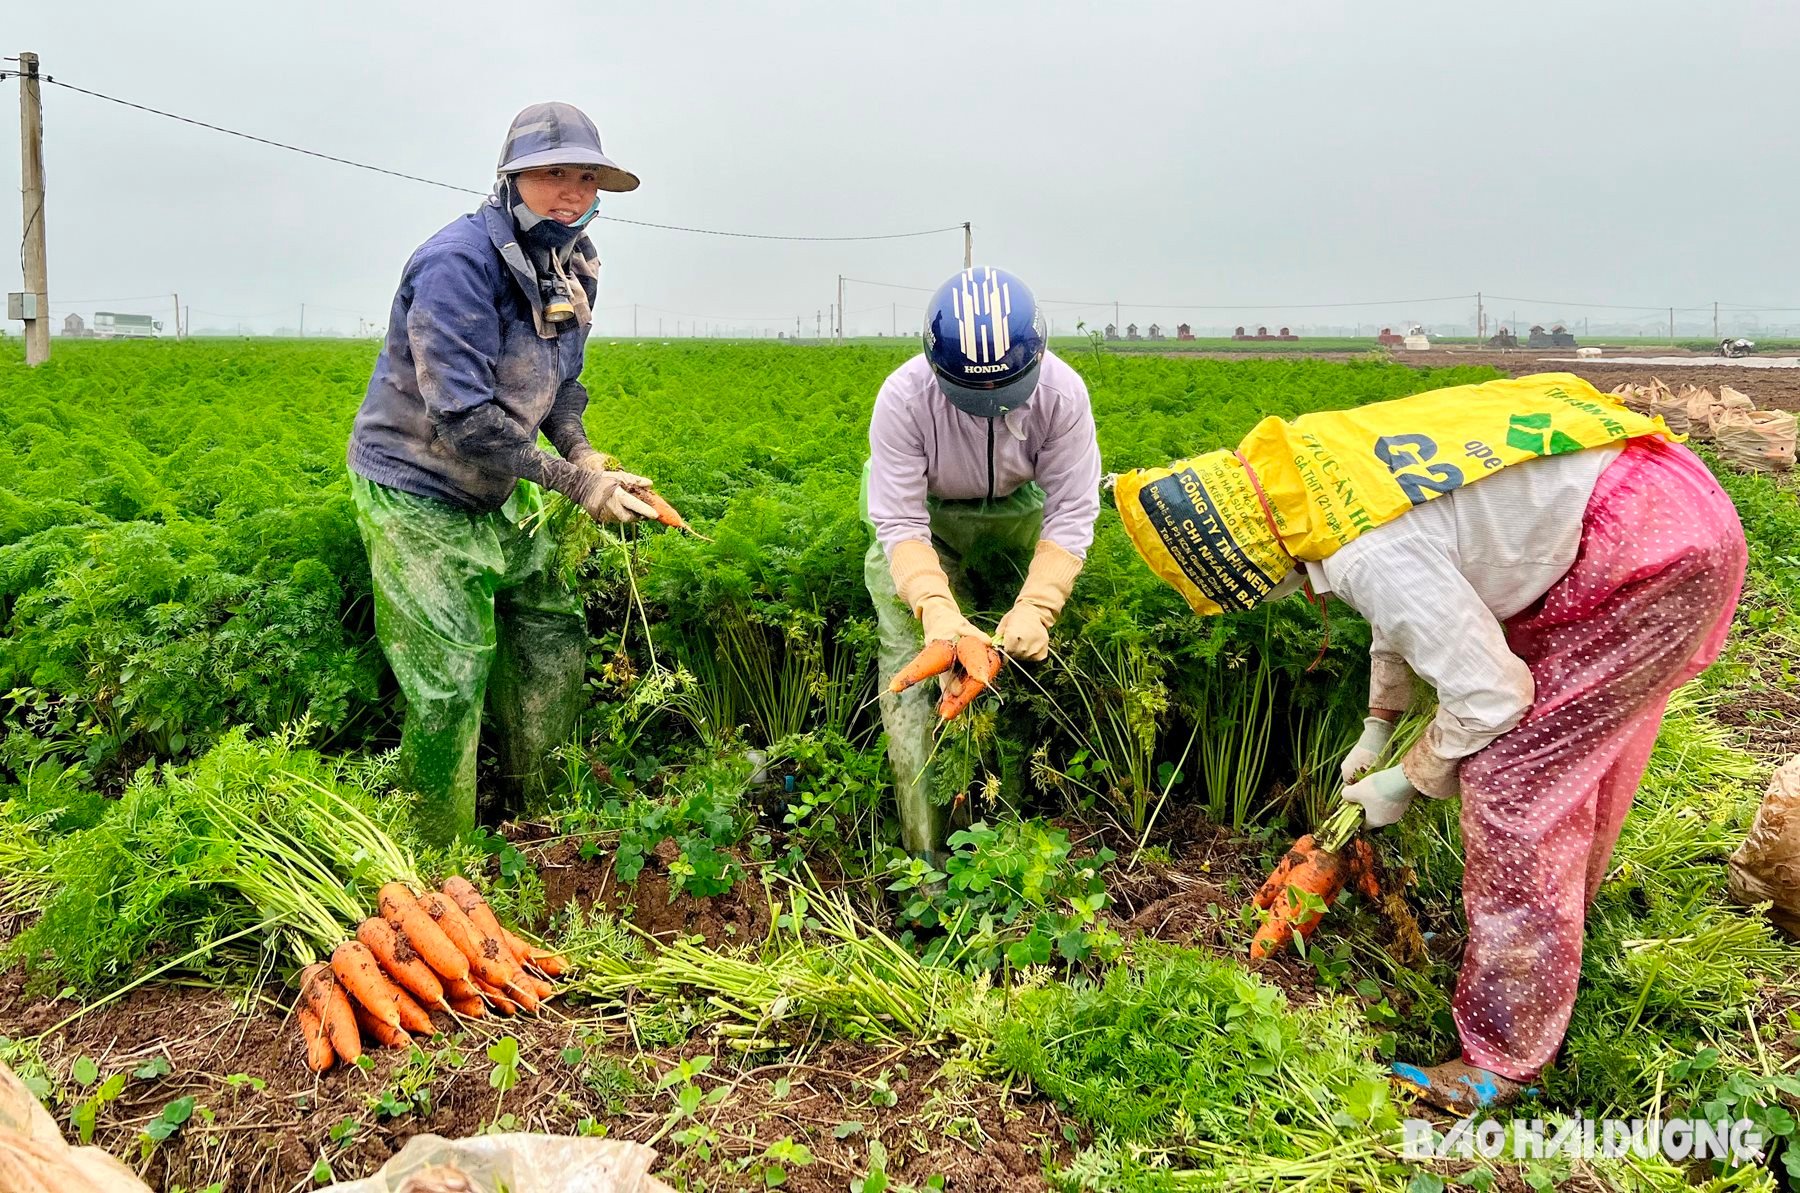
x,y
1671,325
659,327
1115,314
31,188
187,321
177,299
968,245
1715,320
840,308
303,321
1480,318
818,325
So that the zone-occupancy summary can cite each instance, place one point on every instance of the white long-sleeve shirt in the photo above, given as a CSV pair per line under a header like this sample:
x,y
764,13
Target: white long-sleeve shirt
x,y
920,444
1436,583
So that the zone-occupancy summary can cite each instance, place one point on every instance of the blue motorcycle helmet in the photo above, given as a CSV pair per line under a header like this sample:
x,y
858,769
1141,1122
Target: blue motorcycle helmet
x,y
984,337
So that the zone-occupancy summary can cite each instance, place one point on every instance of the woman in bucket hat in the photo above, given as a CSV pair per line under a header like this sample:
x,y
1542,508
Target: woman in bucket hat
x,y
1555,567
484,350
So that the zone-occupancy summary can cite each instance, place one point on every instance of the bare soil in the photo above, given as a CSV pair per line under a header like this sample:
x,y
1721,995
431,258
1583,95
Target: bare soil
x,y
1771,389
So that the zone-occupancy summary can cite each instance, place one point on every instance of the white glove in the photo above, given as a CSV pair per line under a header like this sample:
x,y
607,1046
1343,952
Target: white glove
x,y
1367,751
1385,796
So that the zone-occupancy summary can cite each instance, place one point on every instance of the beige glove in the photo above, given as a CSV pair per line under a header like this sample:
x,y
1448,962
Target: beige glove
x,y
603,493
920,580
1024,632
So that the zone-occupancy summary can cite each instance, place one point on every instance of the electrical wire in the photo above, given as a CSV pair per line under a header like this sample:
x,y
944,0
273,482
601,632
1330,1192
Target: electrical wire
x,y
1201,306
451,186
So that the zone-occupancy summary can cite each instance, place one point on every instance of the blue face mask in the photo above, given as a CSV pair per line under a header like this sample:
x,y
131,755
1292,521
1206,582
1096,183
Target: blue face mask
x,y
541,232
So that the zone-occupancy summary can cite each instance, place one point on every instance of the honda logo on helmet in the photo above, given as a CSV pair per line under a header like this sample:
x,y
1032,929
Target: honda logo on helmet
x,y
999,368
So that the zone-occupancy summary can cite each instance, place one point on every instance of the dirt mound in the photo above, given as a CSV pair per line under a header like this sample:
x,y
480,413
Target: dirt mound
x,y
739,915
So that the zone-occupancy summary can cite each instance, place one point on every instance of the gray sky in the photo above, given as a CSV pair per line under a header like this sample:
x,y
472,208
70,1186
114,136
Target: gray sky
x,y
1269,156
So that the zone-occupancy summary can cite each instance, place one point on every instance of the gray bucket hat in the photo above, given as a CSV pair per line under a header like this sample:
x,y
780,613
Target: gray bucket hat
x,y
560,135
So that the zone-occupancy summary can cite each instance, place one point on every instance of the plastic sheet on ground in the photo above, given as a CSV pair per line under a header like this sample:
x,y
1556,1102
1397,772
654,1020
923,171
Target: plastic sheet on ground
x,y
35,1158
1691,362
517,1163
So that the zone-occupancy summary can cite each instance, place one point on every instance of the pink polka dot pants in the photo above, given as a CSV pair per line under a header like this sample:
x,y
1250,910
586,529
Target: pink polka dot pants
x,y
1645,608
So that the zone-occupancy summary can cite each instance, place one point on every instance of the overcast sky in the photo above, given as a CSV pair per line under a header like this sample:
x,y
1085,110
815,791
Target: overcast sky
x,y
1245,156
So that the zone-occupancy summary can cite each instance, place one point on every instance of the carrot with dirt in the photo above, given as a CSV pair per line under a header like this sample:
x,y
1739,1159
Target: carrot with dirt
x,y
980,660
413,1017
959,695
356,971
383,1034
402,962
404,915
319,1055
319,986
489,960
1309,869
935,659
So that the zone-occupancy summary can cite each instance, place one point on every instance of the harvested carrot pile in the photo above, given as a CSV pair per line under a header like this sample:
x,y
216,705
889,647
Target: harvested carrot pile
x,y
441,950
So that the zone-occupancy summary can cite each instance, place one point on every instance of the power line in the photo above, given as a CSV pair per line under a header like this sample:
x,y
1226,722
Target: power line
x,y
1201,306
451,186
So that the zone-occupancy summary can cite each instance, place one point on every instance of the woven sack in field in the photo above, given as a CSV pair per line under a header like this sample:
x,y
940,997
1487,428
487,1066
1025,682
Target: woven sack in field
x,y
1665,402
1700,402
1766,867
1757,440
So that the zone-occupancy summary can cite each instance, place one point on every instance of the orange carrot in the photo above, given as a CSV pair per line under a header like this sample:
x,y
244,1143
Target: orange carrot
x,y
496,998
935,659
413,1017
1314,871
460,989
980,660
1276,882
340,1024
961,693
462,892
375,1029
401,961
543,960
539,987
489,960
523,991
320,993
667,514
319,1055
404,915
363,980
469,1008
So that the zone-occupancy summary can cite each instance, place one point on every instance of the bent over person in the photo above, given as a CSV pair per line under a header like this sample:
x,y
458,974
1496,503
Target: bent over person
x,y
1555,567
983,473
484,349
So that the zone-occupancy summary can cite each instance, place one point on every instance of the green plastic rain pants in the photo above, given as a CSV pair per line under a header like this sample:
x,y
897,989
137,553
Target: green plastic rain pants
x,y
468,611
985,547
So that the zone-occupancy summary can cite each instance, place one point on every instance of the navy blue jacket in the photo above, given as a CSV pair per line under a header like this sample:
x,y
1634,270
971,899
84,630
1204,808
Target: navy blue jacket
x,y
466,380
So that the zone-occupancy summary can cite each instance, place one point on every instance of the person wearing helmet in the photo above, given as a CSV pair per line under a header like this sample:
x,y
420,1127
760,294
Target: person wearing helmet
x,y
484,350
983,469
1555,567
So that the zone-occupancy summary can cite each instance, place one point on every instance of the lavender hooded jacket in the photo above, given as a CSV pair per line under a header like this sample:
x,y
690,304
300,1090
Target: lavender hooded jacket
x,y
920,445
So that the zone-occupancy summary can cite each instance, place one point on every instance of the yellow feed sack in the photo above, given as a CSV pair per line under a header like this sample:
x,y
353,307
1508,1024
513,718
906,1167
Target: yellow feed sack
x,y
1328,477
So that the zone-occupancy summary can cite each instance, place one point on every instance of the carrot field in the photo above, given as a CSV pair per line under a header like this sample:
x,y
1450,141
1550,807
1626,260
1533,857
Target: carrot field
x,y
196,752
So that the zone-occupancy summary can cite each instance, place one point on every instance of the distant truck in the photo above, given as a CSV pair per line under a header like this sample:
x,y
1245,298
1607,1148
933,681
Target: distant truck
x,y
115,325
